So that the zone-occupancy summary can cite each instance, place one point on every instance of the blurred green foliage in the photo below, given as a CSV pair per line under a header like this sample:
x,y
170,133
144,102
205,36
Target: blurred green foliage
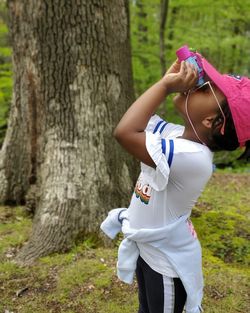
x,y
219,30
5,71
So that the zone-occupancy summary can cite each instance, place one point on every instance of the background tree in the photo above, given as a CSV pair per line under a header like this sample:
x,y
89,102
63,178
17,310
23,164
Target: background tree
x,y
163,19
219,30
72,82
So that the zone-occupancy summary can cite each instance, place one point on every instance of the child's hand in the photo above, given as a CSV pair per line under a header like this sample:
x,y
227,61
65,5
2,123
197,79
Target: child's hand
x,y
175,67
180,77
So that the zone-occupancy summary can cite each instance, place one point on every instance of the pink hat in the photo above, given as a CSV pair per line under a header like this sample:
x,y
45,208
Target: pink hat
x,y
237,91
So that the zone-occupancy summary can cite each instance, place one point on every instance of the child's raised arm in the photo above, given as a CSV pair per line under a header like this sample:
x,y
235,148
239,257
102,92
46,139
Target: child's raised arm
x,y
130,130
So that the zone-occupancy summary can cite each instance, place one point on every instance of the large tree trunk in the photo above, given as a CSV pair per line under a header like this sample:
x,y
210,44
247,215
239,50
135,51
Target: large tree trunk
x,y
73,82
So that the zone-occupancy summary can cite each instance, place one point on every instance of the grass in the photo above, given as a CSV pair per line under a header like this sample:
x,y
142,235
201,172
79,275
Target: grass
x,y
84,279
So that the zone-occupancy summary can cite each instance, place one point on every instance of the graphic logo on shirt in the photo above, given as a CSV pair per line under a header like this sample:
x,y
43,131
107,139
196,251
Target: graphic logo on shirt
x,y
191,228
143,191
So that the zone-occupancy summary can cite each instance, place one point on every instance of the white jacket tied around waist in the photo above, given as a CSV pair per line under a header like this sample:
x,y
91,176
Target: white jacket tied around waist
x,y
175,240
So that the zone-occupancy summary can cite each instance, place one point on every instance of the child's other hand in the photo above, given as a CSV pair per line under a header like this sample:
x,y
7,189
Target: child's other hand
x,y
175,67
180,77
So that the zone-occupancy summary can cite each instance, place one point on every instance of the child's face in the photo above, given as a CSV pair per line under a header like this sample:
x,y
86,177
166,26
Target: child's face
x,y
201,103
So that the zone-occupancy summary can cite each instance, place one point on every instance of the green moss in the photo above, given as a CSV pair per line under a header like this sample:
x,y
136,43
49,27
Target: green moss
x,y
114,307
225,287
13,235
9,269
121,298
15,229
102,280
78,273
225,234
58,259
219,218
10,214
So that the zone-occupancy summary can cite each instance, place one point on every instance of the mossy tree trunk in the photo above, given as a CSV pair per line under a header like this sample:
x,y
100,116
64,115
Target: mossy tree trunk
x,y
73,81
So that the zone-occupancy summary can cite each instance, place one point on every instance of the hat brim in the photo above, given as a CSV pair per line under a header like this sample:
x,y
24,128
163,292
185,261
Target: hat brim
x,y
215,76
237,91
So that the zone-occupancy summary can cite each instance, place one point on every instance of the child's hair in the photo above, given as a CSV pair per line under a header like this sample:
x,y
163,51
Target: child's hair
x,y
228,141
246,154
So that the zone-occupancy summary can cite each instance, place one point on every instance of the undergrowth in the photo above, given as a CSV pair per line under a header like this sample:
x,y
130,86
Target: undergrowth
x,y
84,279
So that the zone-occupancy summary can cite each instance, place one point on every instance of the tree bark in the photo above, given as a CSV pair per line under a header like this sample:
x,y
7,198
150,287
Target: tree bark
x,y
73,81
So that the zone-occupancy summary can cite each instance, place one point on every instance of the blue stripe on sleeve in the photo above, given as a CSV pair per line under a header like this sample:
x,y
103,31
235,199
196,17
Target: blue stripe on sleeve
x,y
171,152
157,126
163,146
163,126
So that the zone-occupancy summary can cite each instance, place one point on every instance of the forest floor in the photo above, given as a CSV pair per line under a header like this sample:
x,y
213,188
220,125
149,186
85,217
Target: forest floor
x,y
84,279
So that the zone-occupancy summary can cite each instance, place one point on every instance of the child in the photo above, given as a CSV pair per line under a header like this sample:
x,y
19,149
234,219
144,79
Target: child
x,y
176,163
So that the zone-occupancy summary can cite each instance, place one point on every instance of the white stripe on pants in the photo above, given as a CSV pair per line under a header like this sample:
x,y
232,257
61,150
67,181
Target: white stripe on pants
x,y
168,284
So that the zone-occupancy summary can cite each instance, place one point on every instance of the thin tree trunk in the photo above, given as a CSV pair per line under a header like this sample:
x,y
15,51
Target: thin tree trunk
x,y
77,81
142,22
142,33
163,20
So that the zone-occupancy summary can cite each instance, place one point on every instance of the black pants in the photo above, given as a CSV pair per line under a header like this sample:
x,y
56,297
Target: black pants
x,y
158,293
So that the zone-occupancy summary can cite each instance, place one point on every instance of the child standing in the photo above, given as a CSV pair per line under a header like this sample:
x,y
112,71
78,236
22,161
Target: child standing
x,y
176,162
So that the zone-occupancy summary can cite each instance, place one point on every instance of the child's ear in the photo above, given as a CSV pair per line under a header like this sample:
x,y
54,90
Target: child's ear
x,y
208,121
